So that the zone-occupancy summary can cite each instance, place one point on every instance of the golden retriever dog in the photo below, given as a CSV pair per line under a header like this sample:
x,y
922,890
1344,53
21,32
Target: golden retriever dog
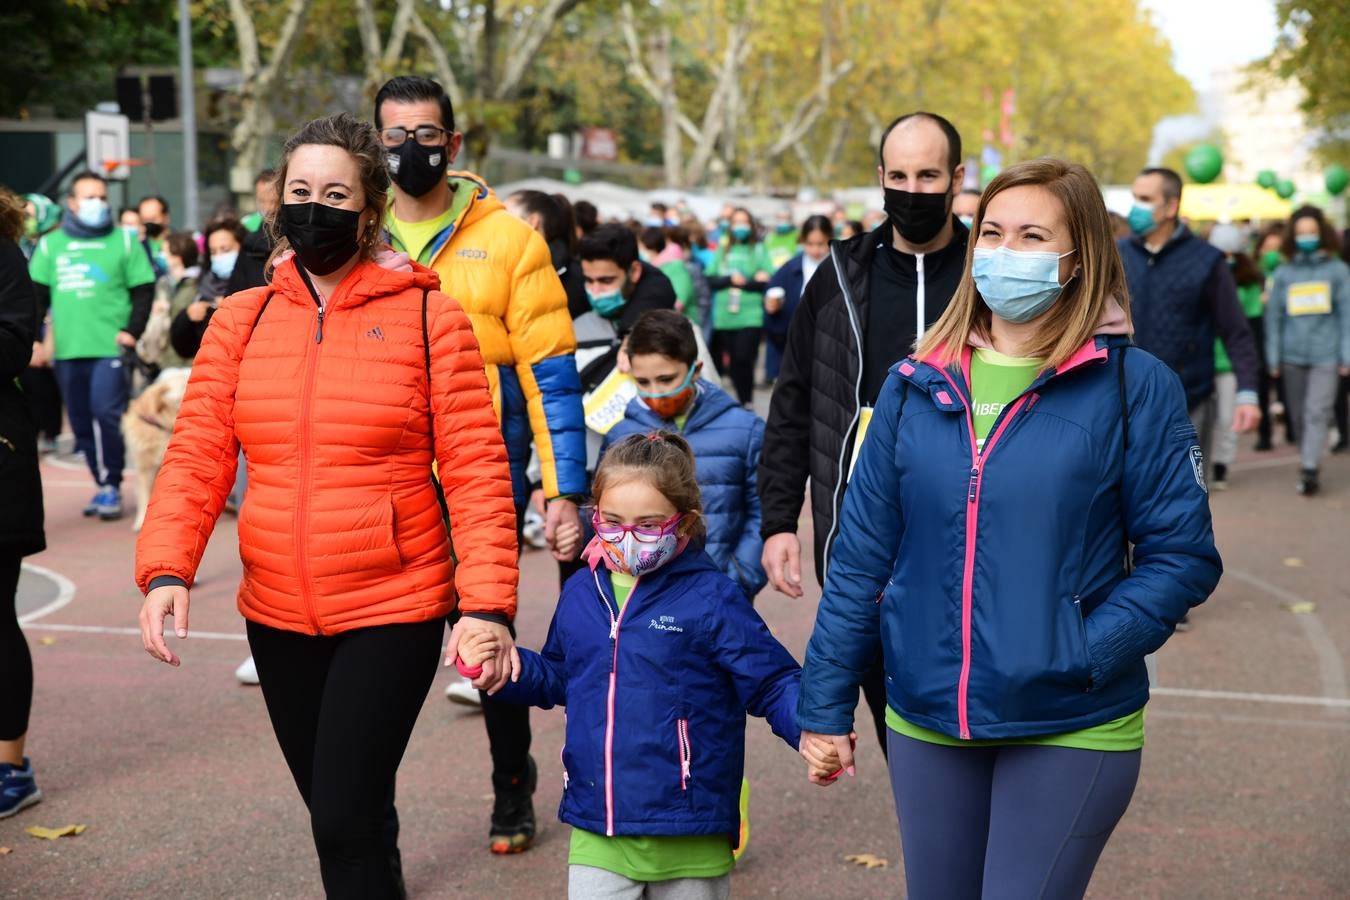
x,y
147,426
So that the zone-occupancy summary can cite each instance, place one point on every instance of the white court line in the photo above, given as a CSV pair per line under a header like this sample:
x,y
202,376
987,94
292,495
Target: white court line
x,y
65,592
1295,699
109,629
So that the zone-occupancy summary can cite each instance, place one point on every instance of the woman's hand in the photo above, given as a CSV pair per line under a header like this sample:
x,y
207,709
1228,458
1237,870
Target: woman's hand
x,y
562,528
827,756
738,279
196,310
162,602
499,668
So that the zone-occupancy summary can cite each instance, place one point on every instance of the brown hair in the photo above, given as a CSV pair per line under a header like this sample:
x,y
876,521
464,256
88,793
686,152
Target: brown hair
x,y
224,223
1330,243
664,332
182,245
667,462
11,215
361,141
1073,320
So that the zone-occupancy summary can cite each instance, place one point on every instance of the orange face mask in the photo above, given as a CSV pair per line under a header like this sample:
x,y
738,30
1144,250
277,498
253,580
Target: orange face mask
x,y
668,404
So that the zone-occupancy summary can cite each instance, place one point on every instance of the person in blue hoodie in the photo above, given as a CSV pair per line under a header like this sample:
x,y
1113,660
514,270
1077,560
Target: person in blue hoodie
x,y
1011,463
726,439
786,287
658,658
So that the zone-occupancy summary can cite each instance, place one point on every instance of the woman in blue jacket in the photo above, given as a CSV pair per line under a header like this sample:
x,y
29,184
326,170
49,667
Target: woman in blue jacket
x,y
1008,466
786,286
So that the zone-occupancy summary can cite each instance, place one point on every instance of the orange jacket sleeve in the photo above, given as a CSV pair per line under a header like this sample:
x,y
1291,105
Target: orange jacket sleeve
x,y
471,460
199,466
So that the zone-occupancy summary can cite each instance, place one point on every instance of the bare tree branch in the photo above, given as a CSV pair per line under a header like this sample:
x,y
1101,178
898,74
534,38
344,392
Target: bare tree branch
x,y
439,59
520,56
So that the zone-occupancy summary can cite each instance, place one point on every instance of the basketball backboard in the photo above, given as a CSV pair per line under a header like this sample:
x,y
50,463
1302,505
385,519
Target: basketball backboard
x,y
107,138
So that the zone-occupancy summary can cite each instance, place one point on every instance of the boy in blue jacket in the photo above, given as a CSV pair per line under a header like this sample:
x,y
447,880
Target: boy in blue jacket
x,y
726,439
657,657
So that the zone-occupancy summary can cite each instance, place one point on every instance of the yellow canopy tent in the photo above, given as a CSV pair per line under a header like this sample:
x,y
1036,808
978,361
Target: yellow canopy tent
x,y
1231,202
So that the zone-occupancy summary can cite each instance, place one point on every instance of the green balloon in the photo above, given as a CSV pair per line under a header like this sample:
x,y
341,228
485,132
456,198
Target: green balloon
x,y
1285,188
571,176
1266,178
1337,179
1204,163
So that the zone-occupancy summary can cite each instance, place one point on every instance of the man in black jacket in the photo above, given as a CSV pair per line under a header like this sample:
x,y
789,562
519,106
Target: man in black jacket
x,y
846,334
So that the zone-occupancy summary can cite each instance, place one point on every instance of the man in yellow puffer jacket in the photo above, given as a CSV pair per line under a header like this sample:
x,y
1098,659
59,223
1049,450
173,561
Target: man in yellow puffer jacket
x,y
499,271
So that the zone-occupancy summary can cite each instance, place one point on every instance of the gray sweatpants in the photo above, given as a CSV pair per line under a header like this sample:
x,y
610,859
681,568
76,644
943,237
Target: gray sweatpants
x,y
591,883
1309,392
1203,416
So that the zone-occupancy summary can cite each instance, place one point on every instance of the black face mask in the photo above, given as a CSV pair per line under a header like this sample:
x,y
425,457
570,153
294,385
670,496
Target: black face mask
x,y
417,169
323,237
153,230
918,217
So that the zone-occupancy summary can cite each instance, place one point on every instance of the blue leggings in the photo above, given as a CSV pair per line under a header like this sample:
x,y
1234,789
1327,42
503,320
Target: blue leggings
x,y
1005,822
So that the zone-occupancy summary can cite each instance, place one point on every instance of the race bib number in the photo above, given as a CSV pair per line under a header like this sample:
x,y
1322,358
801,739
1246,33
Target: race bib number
x,y
605,405
1310,298
864,420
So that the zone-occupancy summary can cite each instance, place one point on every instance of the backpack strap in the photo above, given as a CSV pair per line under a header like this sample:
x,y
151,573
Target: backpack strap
x,y
1125,443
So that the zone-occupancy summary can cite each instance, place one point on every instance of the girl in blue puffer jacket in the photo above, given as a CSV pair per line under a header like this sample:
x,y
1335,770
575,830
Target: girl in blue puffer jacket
x,y
658,657
725,438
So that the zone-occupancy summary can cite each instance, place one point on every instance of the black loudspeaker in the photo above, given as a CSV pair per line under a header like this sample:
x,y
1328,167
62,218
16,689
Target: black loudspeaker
x,y
129,97
163,97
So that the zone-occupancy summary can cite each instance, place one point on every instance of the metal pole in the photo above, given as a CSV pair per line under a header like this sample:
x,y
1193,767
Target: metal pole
x,y
187,115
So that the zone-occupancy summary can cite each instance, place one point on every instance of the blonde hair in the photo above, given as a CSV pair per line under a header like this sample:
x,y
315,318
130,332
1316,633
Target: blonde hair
x,y
1074,318
666,461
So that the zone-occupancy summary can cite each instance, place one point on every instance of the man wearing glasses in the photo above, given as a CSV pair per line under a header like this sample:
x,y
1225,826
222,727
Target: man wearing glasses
x,y
499,270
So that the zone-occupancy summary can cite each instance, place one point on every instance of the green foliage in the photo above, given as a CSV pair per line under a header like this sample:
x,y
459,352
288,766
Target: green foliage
x,y
1314,48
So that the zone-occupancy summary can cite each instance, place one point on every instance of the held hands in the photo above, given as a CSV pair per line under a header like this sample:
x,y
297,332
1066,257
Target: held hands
x,y
562,529
828,756
499,666
738,279
124,339
474,650
162,602
782,560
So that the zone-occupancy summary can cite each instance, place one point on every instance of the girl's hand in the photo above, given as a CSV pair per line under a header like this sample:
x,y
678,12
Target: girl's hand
x,y
162,602
476,649
828,756
568,541
499,668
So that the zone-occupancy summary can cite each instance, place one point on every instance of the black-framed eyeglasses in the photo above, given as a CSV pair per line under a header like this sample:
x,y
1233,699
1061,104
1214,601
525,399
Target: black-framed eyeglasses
x,y
426,135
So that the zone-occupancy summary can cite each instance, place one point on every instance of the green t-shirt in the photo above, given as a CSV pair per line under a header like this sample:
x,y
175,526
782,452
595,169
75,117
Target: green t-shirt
x,y
1249,296
415,238
90,281
995,381
252,222
651,857
748,306
682,283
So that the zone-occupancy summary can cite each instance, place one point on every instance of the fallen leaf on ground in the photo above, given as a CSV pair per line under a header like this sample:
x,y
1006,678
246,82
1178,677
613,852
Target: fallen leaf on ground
x,y
5,851
1302,608
1293,562
867,860
47,641
51,834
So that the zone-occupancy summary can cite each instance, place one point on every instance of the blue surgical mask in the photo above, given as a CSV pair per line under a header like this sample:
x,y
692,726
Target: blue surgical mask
x,y
222,264
967,220
785,227
93,212
1017,286
1141,219
740,232
606,304
1308,243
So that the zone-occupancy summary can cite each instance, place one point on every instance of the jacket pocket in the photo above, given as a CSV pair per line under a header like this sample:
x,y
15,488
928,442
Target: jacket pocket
x,y
1084,659
393,533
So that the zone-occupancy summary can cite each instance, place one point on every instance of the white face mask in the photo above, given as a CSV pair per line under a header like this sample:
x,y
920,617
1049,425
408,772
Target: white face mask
x,y
93,212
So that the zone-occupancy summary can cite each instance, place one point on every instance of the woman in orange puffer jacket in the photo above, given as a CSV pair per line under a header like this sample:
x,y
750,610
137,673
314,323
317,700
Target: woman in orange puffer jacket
x,y
342,381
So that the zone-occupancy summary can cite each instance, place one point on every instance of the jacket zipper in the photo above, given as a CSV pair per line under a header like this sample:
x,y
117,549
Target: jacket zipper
x,y
614,622
842,476
686,752
920,300
978,460
302,506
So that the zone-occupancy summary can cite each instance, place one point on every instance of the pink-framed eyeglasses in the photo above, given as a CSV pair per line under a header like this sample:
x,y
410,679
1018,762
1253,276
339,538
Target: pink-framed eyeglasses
x,y
613,532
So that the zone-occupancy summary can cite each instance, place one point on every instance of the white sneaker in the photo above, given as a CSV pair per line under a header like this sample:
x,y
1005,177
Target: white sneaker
x,y
247,673
464,693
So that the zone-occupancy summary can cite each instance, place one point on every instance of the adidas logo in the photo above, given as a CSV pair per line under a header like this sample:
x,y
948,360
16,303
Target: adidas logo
x,y
375,333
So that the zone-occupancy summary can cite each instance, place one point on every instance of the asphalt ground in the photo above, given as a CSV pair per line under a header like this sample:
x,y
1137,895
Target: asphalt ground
x,y
1245,790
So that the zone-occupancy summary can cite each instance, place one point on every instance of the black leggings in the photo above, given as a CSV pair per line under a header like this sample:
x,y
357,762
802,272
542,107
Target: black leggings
x,y
742,345
343,708
16,665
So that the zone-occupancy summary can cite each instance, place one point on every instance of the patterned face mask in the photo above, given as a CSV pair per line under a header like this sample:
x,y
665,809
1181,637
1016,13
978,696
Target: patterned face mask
x,y
637,549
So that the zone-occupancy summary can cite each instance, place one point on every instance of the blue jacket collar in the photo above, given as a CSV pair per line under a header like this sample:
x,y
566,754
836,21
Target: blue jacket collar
x,y
712,402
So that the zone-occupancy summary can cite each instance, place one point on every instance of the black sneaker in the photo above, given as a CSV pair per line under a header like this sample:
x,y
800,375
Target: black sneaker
x,y
513,823
1341,446
1220,479
1263,446
1307,483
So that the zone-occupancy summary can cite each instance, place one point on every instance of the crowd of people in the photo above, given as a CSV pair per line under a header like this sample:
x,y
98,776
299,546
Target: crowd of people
x,y
395,372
